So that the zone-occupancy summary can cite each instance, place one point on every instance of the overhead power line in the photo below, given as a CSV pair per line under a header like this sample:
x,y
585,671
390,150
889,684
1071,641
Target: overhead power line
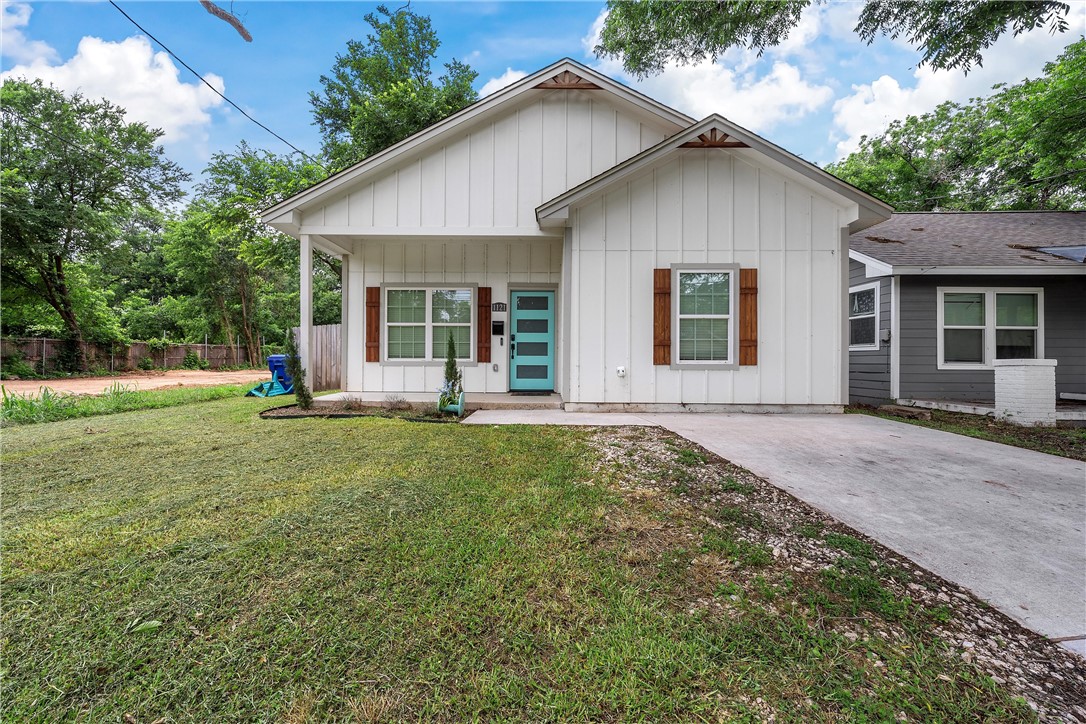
x,y
213,88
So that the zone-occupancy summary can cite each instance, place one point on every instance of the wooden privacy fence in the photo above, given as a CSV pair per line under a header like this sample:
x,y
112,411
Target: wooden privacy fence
x,y
44,354
325,354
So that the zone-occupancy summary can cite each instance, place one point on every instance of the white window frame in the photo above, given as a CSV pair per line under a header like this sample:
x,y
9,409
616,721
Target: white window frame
x,y
732,270
989,323
429,325
878,314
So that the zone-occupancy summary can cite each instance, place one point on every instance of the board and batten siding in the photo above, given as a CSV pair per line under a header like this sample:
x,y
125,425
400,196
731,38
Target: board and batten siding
x,y
869,369
1064,334
500,264
495,173
707,206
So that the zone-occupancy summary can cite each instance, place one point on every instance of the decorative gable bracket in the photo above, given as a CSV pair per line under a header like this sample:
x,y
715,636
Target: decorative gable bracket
x,y
567,80
714,138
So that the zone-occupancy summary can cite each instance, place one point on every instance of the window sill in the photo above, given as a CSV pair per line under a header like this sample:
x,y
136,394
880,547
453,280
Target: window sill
x,y
704,366
865,348
424,363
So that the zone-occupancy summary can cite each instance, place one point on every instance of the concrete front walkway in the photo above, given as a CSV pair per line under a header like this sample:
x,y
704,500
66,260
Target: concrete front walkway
x,y
1007,523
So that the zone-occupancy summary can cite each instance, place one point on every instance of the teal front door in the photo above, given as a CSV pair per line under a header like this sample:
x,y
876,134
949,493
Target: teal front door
x,y
531,341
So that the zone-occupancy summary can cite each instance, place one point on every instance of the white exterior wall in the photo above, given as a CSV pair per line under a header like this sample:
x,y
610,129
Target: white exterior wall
x,y
494,174
708,207
500,264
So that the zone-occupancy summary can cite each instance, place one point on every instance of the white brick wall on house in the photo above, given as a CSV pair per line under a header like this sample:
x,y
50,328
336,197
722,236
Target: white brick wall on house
x,y
1025,391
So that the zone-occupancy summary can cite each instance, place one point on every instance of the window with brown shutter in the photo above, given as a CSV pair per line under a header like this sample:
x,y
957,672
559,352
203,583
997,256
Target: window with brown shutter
x,y
373,324
748,317
661,316
482,336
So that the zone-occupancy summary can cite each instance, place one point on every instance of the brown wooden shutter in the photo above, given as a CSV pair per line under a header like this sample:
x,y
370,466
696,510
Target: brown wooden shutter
x,y
661,316
748,316
373,324
482,335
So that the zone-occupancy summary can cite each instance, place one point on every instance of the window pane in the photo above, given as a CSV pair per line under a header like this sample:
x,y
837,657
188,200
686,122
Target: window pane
x,y
703,293
861,331
532,349
862,302
1016,344
532,326
534,303
452,306
461,336
963,345
703,340
1016,310
963,309
532,372
406,342
406,305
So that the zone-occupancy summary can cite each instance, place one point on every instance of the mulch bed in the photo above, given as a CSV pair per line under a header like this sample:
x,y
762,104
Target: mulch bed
x,y
348,409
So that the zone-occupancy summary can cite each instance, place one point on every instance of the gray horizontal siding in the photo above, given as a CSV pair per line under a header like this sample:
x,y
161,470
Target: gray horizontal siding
x,y
1064,330
869,370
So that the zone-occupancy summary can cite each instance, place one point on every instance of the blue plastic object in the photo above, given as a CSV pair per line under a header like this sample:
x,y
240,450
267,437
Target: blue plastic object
x,y
281,383
277,365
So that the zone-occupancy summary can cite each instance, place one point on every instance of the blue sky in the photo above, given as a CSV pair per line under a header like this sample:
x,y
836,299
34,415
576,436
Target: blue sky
x,y
815,95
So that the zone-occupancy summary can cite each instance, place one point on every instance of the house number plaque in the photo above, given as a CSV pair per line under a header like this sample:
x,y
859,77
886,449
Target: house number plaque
x,y
498,307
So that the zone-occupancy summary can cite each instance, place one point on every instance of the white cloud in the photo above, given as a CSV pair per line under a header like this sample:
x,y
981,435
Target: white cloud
x,y
731,87
871,107
131,75
14,17
509,77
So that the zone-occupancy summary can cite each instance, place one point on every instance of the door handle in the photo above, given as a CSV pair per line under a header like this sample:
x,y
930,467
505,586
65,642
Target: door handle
x,y
512,350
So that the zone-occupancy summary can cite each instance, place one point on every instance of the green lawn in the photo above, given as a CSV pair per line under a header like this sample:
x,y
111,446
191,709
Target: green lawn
x,y
199,563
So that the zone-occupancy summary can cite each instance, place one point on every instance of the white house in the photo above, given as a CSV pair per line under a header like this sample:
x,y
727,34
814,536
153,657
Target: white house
x,y
576,236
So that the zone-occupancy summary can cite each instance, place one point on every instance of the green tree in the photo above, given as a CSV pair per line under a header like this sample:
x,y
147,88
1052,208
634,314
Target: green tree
x,y
382,90
74,172
234,265
647,34
1024,147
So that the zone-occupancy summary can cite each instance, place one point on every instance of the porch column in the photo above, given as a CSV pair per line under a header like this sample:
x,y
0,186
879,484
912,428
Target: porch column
x,y
305,332
344,317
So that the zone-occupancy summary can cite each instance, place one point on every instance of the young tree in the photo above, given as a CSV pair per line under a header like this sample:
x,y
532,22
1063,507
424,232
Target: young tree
x,y
382,90
647,34
74,171
1024,147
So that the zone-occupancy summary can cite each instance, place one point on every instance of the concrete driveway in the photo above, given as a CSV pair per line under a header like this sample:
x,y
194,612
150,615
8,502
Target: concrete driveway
x,y
1007,523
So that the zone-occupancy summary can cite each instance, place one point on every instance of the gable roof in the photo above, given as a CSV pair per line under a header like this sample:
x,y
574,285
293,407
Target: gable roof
x,y
974,242
714,131
565,73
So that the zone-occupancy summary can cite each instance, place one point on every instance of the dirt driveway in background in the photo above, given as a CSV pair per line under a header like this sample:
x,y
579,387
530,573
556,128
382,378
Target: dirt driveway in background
x,y
140,380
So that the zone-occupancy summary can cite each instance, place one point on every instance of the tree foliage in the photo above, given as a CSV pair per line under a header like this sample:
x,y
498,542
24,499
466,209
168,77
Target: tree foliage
x,y
1024,147
382,90
231,263
648,34
75,173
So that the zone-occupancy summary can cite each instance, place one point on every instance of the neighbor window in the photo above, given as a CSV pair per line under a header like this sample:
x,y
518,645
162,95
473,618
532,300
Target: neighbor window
x,y
418,323
863,317
977,326
704,312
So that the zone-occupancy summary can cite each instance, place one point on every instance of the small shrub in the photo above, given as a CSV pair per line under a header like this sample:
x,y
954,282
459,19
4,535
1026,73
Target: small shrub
x,y
193,361
450,391
146,363
302,395
14,368
397,403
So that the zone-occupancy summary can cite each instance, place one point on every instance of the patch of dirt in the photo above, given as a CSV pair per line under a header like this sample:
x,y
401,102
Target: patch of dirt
x,y
676,491
142,380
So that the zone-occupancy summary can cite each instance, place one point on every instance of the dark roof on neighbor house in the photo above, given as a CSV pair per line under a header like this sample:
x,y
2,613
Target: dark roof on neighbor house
x,y
976,239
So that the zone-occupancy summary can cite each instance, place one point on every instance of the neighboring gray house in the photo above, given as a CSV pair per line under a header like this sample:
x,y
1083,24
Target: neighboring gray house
x,y
935,298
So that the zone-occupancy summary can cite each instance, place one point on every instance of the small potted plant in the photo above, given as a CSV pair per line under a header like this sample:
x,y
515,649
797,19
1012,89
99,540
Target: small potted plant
x,y
451,395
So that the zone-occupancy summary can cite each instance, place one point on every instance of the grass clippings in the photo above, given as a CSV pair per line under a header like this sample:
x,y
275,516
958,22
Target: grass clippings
x,y
200,563
1066,442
